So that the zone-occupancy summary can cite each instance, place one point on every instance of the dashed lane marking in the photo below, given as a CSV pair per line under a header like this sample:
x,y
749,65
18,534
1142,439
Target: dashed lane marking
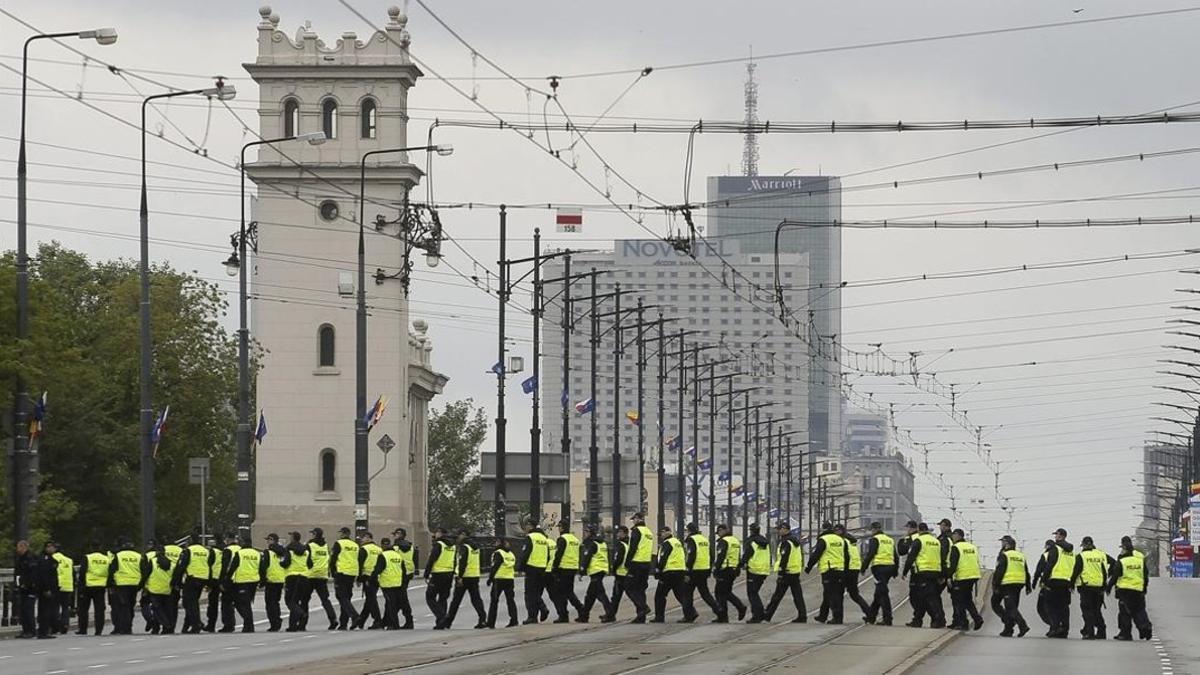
x,y
97,665
131,661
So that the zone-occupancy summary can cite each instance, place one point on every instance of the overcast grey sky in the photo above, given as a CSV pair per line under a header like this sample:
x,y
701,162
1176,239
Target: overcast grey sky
x,y
1068,431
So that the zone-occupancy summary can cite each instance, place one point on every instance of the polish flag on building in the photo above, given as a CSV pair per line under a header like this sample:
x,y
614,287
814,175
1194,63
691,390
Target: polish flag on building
x,y
569,220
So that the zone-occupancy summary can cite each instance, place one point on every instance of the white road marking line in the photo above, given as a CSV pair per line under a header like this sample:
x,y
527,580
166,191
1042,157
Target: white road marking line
x,y
259,644
54,672
98,665
107,644
139,640
169,656
9,656
136,661
230,649
74,649
39,653
202,651
285,641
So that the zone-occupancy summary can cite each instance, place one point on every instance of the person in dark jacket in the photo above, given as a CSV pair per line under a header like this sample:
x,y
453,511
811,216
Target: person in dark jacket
x,y
45,575
787,574
1007,584
1131,585
401,543
501,581
755,577
26,574
439,576
296,582
727,564
274,588
617,556
1060,572
671,570
884,566
594,564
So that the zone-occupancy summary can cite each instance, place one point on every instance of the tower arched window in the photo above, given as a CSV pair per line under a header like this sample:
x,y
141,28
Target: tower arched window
x,y
367,118
328,459
325,345
291,117
329,118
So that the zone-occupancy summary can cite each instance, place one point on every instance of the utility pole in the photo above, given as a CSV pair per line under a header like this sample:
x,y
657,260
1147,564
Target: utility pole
x,y
616,450
745,463
696,434
498,501
641,400
565,400
679,501
662,380
594,448
535,424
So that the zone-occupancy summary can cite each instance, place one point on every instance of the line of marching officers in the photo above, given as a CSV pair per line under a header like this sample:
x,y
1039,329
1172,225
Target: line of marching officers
x,y
169,575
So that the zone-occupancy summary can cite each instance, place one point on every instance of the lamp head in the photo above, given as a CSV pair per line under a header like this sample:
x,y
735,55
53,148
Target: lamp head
x,y
432,259
312,137
232,264
445,149
102,36
221,92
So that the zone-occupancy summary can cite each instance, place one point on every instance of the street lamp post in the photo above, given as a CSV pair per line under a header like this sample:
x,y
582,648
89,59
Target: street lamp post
x,y
362,479
243,414
23,465
221,92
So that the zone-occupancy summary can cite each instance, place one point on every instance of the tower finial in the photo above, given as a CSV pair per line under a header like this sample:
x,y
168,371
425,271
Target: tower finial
x,y
750,147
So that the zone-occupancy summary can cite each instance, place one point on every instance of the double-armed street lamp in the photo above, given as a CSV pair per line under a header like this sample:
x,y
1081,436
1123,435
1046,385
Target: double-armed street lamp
x,y
23,465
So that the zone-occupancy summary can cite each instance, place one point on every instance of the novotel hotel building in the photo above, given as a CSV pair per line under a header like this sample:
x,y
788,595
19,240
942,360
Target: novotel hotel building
x,y
691,292
747,210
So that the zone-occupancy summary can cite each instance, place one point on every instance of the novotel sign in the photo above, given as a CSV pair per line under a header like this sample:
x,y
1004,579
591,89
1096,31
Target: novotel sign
x,y
658,252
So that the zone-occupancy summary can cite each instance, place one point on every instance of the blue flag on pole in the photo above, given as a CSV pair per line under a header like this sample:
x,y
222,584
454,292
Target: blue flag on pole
x,y
498,368
529,384
674,443
723,477
705,464
565,398
690,452
261,432
585,406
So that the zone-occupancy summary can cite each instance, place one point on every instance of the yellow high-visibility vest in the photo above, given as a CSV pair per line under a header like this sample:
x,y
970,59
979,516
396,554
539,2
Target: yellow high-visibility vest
x,y
508,565
392,575
159,581
1014,570
1064,567
96,574
1132,573
703,555
318,555
645,544
66,572
410,567
570,556
217,562
929,559
233,550
298,565
129,569
855,556
676,562
968,562
599,562
173,553
347,560
733,553
622,553
539,551
795,561
833,558
1095,568
760,558
445,559
247,570
472,571
198,562
373,551
885,555
275,572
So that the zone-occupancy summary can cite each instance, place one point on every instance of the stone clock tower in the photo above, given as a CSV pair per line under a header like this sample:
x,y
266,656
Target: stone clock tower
x,y
303,283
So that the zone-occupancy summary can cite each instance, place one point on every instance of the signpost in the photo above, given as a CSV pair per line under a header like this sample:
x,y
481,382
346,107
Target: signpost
x,y
198,475
1182,563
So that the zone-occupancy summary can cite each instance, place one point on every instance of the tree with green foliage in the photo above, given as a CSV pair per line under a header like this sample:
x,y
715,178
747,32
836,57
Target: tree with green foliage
x,y
83,350
456,432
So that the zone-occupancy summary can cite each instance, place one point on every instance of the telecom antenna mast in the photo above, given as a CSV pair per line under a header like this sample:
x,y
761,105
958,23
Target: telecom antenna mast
x,y
750,148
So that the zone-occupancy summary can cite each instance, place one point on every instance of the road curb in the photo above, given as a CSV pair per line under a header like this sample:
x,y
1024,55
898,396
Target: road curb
x,y
908,665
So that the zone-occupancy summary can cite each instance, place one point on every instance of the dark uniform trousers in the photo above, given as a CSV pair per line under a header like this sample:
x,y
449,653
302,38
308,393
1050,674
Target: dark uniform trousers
x,y
636,584
619,581
724,594
47,613
785,582
672,582
1131,609
173,607
754,584
564,593
929,585
214,605
850,583
1091,600
244,600
321,588
343,588
229,600
294,596
191,605
534,579
698,581
595,591
1058,604
502,587
395,603
1010,600
466,587
916,598
437,594
832,591
962,597
123,600
881,602
91,597
27,609
63,620
272,595
156,611
370,608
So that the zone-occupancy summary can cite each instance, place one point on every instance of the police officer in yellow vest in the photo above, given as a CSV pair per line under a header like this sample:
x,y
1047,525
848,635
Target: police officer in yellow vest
x,y
1063,568
698,556
965,572
789,560
228,591
881,559
756,558
174,553
126,573
1092,580
617,556
192,574
926,564
215,584
439,576
92,585
467,573
1131,577
66,588
372,566
278,559
566,568
534,559
728,561
593,565
404,547
830,558
295,575
1008,580
854,567
391,578
347,559
157,592
317,581
672,568
502,575
247,570
638,560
